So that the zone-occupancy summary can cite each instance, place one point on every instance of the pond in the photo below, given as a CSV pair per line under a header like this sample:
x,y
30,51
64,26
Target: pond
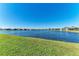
x,y
46,34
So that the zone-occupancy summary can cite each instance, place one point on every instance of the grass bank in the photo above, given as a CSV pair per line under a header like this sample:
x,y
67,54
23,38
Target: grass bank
x,y
74,31
27,46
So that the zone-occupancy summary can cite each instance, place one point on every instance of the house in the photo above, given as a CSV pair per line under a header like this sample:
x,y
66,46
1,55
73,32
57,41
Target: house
x,y
70,28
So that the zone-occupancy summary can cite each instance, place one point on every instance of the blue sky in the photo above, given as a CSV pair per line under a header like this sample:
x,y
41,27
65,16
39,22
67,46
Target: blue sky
x,y
39,15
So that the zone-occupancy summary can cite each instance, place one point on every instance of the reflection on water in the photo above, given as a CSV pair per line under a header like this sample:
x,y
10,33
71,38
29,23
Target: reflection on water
x,y
53,35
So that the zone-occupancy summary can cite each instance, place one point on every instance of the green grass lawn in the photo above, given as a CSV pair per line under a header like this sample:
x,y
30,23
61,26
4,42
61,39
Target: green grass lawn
x,y
27,46
74,31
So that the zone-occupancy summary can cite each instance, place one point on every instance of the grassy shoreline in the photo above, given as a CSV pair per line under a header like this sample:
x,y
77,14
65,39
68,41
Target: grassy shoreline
x,y
73,31
27,46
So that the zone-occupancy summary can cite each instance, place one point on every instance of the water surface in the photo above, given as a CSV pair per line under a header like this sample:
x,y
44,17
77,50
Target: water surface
x,y
46,34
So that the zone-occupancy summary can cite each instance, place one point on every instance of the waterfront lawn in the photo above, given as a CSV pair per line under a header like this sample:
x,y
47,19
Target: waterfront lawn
x,y
27,46
74,31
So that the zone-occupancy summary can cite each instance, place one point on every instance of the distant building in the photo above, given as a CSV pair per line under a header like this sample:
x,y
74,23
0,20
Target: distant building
x,y
70,28
65,29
